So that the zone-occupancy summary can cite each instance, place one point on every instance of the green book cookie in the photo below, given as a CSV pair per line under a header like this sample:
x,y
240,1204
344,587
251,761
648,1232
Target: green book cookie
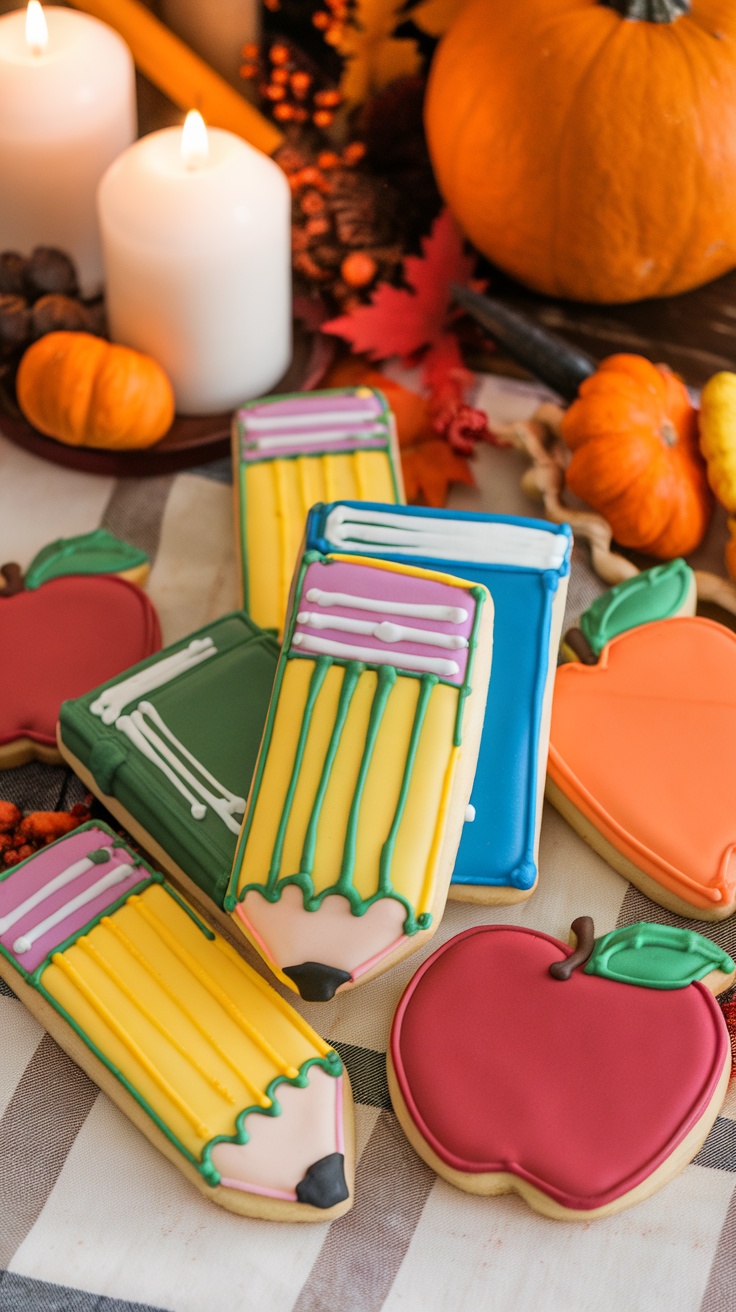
x,y
170,746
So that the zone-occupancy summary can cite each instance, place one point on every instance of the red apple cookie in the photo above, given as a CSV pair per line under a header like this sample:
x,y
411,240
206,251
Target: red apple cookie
x,y
70,625
511,1069
642,761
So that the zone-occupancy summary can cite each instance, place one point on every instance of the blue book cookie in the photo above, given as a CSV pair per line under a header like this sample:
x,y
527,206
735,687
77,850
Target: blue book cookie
x,y
525,564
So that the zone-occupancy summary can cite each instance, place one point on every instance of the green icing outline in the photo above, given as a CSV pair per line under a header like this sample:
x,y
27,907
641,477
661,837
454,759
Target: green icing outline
x,y
598,623
330,1063
388,448
116,557
386,677
705,955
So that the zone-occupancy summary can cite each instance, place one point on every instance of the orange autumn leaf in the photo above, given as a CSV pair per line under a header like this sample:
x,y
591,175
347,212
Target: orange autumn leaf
x,y
429,469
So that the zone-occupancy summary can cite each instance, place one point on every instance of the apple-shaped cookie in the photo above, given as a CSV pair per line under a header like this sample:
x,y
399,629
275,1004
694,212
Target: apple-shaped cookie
x,y
642,760
583,1089
71,624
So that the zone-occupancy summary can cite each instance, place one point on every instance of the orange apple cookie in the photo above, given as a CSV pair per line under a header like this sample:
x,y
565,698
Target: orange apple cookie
x,y
642,760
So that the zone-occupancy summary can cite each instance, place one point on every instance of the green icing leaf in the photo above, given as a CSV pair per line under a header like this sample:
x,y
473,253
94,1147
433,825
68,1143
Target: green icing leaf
x,y
98,552
655,594
656,956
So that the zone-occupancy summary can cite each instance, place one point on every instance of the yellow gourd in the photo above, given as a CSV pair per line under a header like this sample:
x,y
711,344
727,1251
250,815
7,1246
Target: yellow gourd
x,y
718,436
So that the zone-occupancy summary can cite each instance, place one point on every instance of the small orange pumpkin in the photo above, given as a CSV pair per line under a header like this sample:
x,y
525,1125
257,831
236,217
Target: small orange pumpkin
x,y
85,391
633,432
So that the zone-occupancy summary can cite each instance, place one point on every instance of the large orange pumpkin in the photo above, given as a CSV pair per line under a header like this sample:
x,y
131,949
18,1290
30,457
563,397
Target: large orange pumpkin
x,y
633,432
588,147
85,391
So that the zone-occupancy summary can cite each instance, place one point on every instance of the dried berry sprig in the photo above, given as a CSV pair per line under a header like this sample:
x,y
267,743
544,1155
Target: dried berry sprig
x,y
21,836
290,86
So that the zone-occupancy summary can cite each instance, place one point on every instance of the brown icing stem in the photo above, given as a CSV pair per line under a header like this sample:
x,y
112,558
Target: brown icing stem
x,y
584,931
13,576
577,642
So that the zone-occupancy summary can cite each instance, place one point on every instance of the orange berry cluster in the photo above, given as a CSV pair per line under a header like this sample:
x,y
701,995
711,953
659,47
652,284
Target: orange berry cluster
x,y
331,21
21,837
290,90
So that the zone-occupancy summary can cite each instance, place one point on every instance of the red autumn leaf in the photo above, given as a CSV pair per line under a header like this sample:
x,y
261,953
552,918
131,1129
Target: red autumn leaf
x,y
429,469
399,321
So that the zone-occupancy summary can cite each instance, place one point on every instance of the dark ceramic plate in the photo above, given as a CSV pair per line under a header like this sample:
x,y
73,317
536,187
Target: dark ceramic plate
x,y
191,440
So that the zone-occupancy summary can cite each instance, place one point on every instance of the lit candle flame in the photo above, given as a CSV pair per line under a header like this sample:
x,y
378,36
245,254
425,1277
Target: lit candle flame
x,y
37,33
194,144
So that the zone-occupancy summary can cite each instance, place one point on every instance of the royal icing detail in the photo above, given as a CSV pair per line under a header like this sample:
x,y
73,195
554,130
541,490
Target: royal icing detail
x,y
348,808
98,552
292,451
581,1089
136,727
176,761
657,956
643,746
524,564
110,703
115,624
654,594
239,1084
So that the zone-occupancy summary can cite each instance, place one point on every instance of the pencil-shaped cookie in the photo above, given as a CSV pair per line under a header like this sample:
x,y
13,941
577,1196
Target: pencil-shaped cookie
x,y
524,563
205,1058
365,770
170,747
290,452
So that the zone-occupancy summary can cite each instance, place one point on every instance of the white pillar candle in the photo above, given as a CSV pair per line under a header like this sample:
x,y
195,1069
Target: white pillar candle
x,y
196,237
216,29
67,108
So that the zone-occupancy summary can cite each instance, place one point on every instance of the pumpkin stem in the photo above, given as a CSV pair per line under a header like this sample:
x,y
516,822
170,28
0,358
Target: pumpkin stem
x,y
548,357
13,576
649,11
584,931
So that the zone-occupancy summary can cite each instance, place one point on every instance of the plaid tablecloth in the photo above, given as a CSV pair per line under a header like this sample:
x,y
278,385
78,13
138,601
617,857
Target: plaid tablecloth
x,y
93,1219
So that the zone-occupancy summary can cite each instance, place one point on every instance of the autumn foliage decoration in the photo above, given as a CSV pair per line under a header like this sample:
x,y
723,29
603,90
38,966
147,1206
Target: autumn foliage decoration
x,y
413,322
633,433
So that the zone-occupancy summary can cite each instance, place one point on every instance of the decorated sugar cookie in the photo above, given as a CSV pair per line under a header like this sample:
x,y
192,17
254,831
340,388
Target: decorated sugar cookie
x,y
205,1058
74,620
659,593
582,1080
170,747
288,453
525,564
642,760
365,770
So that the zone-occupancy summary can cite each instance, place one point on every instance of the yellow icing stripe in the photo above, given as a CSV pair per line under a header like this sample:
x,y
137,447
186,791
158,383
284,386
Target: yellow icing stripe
x,y
133,1048
190,1015
211,985
274,998
425,900
398,567
152,1019
280,475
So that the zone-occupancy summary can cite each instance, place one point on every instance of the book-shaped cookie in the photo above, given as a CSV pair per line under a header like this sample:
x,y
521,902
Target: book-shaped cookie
x,y
524,563
365,770
201,1053
170,747
290,452
642,759
582,1080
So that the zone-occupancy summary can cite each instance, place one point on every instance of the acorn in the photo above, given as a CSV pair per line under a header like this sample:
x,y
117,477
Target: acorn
x,y
56,313
50,271
12,269
15,324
